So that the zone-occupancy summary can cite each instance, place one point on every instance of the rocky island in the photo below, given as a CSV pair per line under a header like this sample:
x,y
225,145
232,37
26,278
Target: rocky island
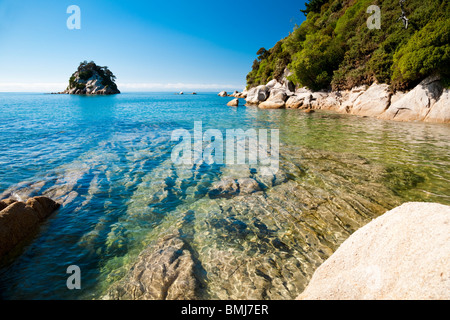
x,y
91,79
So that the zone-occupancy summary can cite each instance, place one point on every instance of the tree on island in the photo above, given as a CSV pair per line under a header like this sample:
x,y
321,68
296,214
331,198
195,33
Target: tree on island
x,y
92,79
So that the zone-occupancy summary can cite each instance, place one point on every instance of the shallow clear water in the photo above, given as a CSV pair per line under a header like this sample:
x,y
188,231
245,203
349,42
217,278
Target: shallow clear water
x,y
108,160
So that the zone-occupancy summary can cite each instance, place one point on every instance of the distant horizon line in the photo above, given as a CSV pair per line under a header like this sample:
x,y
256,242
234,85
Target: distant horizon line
x,y
54,87
122,92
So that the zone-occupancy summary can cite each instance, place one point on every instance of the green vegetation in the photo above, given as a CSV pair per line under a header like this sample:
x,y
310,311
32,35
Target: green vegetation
x,y
87,69
335,48
81,85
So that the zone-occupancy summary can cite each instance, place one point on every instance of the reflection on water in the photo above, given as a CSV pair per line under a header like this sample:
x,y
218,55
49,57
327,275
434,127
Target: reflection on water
x,y
108,160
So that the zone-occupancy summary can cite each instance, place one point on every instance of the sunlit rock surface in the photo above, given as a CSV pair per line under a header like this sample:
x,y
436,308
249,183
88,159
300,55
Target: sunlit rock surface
x,y
403,254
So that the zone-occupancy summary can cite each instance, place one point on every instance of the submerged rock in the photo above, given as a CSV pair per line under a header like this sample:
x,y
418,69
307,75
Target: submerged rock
x,y
264,245
227,188
224,189
248,185
19,219
403,254
164,271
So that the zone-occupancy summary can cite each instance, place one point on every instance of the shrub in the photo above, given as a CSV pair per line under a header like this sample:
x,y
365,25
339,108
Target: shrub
x,y
314,65
426,52
333,46
85,75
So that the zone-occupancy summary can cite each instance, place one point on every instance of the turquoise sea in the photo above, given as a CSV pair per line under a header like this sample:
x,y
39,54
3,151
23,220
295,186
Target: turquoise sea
x,y
108,160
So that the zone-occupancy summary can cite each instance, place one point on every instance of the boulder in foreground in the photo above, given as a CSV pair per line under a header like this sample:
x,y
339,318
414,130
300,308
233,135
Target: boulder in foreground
x,y
403,254
19,219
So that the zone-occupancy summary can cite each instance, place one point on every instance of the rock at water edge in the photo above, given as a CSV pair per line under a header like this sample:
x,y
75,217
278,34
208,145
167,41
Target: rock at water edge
x,y
403,254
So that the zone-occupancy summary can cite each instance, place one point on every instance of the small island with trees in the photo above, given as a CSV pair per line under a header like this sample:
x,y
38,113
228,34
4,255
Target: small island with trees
x,y
91,79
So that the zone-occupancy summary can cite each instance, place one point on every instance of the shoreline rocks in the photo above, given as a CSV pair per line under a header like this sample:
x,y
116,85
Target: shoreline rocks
x,y
19,219
233,103
402,254
235,94
429,101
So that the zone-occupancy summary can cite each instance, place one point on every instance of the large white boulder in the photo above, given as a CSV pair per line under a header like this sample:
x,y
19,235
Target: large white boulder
x,y
403,254
257,94
417,103
371,102
440,112
273,84
299,100
233,103
276,100
272,104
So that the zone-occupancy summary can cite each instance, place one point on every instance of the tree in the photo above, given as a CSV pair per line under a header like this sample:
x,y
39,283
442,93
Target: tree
x,y
313,6
262,54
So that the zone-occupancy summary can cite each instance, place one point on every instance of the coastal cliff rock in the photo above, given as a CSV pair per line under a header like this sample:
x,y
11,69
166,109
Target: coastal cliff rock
x,y
417,103
371,102
440,111
403,254
90,79
19,219
428,101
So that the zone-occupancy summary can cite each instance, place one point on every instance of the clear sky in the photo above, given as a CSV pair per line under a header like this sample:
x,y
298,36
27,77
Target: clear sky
x,y
153,45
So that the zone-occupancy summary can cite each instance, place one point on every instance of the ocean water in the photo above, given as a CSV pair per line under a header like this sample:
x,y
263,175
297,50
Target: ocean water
x,y
108,160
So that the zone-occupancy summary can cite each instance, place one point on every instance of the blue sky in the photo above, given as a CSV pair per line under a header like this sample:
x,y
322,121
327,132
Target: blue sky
x,y
149,45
